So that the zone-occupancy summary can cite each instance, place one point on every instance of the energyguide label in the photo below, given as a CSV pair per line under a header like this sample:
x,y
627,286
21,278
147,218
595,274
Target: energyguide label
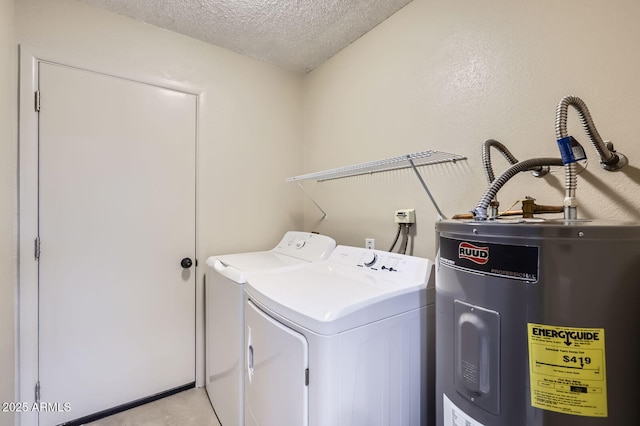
x,y
567,369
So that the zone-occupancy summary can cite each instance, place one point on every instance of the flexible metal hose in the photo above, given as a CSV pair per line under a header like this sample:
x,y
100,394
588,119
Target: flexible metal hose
x,y
609,159
480,212
606,156
488,167
486,157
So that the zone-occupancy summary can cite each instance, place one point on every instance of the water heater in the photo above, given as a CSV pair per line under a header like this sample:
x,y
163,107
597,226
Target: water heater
x,y
537,323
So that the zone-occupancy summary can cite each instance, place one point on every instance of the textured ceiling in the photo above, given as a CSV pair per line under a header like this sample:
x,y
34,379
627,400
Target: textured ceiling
x,y
295,34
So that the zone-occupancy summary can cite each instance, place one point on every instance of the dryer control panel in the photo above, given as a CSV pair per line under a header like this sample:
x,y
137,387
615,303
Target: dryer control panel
x,y
305,245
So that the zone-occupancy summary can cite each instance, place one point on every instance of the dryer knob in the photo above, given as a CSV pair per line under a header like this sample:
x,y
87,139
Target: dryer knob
x,y
300,244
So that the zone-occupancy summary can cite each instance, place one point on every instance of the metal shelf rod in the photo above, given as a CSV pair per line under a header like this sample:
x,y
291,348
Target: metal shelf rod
x,y
422,158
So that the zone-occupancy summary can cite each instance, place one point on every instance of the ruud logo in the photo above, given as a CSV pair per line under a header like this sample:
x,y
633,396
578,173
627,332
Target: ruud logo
x,y
479,255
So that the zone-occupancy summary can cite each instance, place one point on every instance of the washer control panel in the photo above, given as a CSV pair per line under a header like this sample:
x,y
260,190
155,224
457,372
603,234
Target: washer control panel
x,y
379,261
383,261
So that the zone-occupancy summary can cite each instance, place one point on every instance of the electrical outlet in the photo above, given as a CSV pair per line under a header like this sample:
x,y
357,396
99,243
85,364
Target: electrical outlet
x,y
370,243
405,216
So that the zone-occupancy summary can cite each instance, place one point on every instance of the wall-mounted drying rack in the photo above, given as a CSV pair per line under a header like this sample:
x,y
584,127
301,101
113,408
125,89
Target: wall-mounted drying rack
x,y
422,158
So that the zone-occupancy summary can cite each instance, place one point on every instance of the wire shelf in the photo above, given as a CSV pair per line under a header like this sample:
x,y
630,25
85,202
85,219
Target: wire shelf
x,y
422,158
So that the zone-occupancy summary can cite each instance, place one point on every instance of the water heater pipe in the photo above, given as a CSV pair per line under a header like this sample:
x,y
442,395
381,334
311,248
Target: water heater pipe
x,y
609,159
538,171
480,212
486,157
488,167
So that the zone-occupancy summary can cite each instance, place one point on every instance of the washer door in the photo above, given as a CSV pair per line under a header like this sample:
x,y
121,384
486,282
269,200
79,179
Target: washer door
x,y
276,389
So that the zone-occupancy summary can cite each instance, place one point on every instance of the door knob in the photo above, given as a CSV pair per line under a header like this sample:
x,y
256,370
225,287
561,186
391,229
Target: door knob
x,y
186,263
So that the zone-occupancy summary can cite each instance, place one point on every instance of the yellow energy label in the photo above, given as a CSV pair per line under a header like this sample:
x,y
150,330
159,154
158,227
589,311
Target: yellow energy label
x,y
567,371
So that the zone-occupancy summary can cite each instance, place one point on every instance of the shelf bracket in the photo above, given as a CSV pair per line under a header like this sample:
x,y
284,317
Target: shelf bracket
x,y
441,215
324,214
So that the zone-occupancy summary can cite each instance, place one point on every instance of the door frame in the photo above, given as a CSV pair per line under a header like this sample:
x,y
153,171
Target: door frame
x,y
27,316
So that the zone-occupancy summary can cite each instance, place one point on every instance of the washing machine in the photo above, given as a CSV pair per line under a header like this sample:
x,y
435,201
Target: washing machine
x,y
344,342
226,276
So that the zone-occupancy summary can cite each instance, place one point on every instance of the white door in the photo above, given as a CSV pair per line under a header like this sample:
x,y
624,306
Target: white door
x,y
116,216
276,386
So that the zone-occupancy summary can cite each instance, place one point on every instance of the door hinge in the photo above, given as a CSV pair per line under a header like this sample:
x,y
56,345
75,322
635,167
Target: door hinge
x,y
36,251
37,101
306,377
38,393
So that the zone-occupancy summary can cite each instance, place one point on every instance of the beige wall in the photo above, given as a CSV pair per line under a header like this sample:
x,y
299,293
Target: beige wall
x,y
449,75
8,194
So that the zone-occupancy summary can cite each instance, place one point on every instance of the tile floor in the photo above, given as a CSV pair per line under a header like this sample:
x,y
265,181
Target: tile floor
x,y
188,408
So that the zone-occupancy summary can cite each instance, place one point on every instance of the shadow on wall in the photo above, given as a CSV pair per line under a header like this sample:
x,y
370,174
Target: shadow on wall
x,y
633,173
555,180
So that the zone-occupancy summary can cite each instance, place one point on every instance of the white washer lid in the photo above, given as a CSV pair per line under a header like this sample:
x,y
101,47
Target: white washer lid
x,y
256,261
336,295
237,267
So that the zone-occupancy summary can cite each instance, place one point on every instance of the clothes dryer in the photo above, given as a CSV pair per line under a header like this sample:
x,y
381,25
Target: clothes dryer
x,y
226,276
344,342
